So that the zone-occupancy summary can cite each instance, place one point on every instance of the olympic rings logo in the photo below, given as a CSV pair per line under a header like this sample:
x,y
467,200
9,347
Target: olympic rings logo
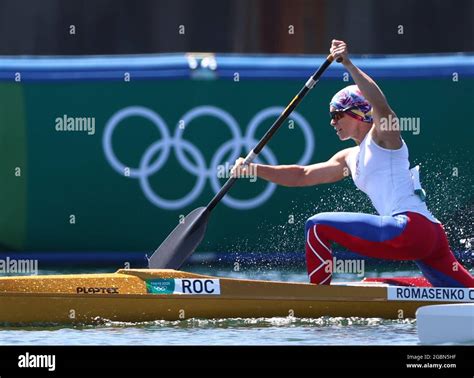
x,y
198,167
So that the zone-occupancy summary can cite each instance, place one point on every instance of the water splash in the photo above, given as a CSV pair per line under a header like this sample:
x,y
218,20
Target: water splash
x,y
236,323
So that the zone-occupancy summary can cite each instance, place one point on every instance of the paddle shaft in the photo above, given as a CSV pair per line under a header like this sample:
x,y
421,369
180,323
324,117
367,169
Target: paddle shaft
x,y
186,236
273,129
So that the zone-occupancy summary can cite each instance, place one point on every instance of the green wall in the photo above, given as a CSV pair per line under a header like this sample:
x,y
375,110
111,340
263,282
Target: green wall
x,y
66,173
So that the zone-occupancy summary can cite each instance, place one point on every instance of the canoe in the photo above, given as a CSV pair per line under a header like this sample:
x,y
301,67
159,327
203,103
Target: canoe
x,y
137,295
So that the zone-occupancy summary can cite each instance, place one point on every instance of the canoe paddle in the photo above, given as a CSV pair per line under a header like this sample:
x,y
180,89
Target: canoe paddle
x,y
188,234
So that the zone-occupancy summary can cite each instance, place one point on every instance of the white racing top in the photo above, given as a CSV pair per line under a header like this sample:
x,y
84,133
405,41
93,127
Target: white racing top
x,y
385,176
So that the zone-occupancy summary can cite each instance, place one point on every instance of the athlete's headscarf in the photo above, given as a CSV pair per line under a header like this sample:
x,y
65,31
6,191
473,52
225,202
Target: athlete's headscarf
x,y
351,99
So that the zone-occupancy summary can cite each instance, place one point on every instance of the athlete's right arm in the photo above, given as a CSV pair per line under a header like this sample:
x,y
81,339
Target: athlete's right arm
x,y
333,170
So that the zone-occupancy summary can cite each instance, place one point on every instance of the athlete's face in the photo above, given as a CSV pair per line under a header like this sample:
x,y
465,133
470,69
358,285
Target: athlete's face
x,y
344,125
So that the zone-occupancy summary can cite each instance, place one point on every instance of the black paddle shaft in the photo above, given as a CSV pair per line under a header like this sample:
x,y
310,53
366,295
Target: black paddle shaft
x,y
187,235
276,125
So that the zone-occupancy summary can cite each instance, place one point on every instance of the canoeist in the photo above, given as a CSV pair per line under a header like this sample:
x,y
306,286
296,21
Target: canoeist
x,y
404,229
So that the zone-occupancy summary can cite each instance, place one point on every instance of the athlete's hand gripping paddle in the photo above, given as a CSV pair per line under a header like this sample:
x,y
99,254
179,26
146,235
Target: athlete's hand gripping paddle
x,y
188,234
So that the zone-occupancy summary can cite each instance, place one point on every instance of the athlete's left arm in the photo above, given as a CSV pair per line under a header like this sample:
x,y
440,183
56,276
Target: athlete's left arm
x,y
383,115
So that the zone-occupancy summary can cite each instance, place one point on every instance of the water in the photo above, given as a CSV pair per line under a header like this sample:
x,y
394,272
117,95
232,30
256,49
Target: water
x,y
238,331
258,331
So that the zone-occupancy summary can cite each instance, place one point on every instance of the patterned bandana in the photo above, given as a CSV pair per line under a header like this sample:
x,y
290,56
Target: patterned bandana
x,y
351,100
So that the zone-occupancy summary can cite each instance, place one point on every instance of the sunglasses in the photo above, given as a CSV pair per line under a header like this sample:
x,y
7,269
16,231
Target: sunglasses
x,y
336,115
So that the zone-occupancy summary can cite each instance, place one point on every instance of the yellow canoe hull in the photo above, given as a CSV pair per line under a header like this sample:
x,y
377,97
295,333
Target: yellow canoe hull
x,y
146,295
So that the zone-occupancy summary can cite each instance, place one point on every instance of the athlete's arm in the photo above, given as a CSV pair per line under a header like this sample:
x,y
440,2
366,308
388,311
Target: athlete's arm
x,y
382,113
333,170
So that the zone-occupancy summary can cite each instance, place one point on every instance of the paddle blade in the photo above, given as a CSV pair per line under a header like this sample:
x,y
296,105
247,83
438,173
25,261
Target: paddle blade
x,y
182,241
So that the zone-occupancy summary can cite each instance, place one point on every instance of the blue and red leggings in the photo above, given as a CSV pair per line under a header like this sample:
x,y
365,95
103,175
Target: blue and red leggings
x,y
406,236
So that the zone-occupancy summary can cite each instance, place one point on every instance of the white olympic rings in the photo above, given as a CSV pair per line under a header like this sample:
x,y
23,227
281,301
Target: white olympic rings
x,y
198,168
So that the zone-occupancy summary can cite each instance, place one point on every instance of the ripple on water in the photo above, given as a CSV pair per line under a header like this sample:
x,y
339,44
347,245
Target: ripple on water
x,y
233,331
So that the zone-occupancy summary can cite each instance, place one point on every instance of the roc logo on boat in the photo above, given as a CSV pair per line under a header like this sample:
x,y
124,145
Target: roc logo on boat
x,y
189,286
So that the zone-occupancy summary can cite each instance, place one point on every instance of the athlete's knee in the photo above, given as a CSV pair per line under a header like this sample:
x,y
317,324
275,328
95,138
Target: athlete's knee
x,y
318,252
315,220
